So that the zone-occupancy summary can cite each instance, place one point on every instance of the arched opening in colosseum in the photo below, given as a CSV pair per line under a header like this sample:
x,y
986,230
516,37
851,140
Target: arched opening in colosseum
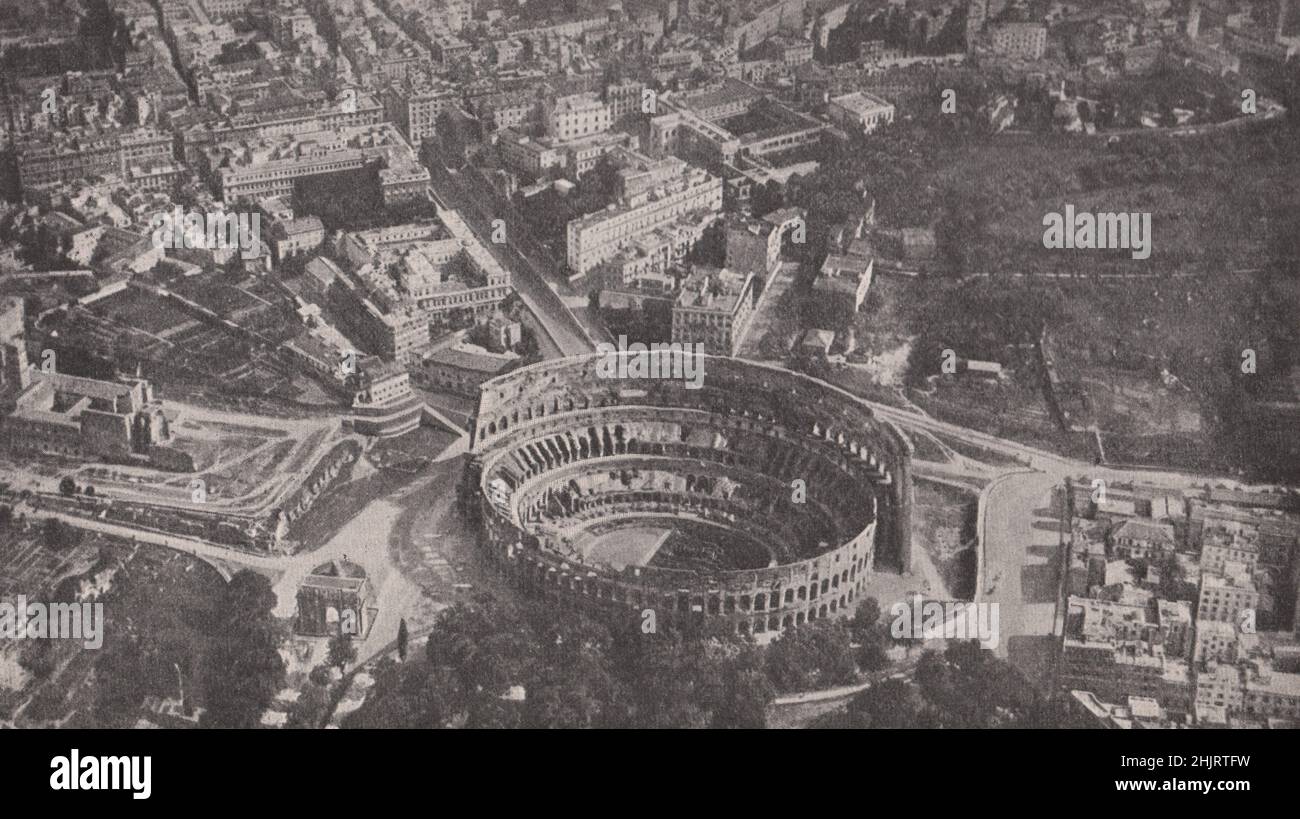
x,y
734,461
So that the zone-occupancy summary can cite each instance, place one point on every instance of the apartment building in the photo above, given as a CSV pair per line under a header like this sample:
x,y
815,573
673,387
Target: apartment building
x,y
842,283
57,158
1020,41
415,107
1219,686
576,116
713,308
252,171
1216,641
600,236
407,282
1269,693
1224,597
750,22
1141,539
298,114
509,109
1116,650
624,98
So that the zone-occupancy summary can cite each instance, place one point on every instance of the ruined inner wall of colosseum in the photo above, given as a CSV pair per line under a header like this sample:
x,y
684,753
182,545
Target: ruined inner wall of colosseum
x,y
558,450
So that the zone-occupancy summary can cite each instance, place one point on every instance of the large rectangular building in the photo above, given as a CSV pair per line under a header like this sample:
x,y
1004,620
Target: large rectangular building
x,y
576,116
713,308
860,112
251,171
600,236
56,158
1023,41
408,281
415,107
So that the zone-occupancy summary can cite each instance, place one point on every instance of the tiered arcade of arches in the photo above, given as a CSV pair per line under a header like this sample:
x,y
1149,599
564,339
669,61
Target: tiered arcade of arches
x,y
559,451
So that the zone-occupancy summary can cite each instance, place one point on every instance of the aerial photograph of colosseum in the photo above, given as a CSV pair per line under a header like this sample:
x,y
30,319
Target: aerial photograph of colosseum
x,y
649,364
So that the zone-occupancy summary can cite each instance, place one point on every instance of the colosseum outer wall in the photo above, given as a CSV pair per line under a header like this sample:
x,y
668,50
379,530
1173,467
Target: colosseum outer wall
x,y
521,407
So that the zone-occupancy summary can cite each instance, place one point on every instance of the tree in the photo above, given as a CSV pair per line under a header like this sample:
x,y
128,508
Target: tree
x,y
871,654
38,658
118,692
408,695
309,709
865,618
890,704
812,655
244,673
67,486
485,643
402,639
342,651
767,197
248,599
57,535
747,694
244,669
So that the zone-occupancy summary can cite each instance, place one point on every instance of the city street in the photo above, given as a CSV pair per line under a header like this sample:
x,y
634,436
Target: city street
x,y
1020,567
564,332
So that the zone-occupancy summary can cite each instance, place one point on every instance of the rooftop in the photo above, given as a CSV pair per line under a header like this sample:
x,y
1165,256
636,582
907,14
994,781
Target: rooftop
x,y
860,102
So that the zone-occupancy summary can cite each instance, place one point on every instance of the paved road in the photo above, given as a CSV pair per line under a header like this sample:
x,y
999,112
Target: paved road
x,y
364,541
221,557
1020,542
1021,570
565,331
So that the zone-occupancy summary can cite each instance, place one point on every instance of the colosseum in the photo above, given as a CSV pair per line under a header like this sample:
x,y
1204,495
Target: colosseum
x,y
643,493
